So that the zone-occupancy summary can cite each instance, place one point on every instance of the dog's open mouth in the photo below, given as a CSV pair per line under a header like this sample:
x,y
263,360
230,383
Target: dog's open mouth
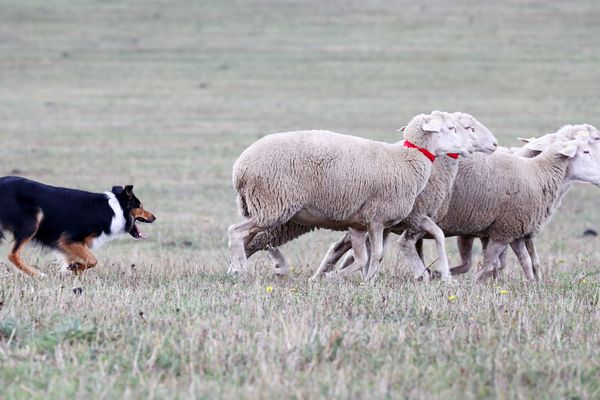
x,y
136,233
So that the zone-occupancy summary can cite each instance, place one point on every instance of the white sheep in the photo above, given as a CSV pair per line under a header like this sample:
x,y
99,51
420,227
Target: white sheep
x,y
324,179
427,205
521,197
532,148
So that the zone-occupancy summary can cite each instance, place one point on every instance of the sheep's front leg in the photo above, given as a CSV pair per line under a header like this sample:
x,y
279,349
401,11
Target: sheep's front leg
x,y
492,251
535,259
522,254
376,241
359,248
238,235
335,252
280,264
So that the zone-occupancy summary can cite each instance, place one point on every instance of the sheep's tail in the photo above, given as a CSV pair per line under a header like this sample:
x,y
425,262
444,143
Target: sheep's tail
x,y
242,205
277,236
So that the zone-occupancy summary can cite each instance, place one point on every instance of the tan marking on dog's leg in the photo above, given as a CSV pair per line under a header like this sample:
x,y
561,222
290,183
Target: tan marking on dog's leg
x,y
15,258
15,255
79,254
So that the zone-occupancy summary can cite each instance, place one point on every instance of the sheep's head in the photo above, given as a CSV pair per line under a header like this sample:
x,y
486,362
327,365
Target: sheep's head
x,y
482,139
438,132
566,133
584,154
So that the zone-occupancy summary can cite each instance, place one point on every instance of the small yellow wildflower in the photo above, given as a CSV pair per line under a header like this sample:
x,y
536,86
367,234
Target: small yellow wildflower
x,y
503,291
269,289
452,297
584,280
293,290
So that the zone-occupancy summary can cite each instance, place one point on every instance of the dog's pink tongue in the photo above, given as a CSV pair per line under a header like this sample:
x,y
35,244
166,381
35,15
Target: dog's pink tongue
x,y
142,235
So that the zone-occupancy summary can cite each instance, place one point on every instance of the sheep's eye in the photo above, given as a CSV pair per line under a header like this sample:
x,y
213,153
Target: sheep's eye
x,y
586,152
472,129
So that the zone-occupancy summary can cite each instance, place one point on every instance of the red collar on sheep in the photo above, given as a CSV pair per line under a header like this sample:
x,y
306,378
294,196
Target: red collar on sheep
x,y
453,155
425,152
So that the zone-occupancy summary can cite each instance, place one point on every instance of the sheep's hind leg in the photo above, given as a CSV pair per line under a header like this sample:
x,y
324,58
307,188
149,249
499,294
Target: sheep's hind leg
x,y
535,259
492,251
428,225
465,249
409,249
238,235
280,264
335,252
358,239
522,254
376,241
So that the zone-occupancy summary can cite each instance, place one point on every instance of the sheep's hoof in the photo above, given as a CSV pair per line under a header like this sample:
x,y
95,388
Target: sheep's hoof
x,y
281,269
434,274
460,269
483,275
425,276
333,275
236,272
282,272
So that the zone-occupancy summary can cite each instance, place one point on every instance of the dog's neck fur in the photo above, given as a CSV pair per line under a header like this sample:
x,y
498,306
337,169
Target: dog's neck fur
x,y
117,225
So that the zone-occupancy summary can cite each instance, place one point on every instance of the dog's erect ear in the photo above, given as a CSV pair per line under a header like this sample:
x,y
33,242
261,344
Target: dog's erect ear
x,y
117,189
129,190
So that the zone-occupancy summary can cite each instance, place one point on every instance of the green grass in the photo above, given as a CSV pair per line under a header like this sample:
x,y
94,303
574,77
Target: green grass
x,y
166,95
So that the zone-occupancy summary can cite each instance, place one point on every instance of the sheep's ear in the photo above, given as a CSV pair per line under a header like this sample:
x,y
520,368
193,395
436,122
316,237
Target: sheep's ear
x,y
435,125
402,129
569,150
527,140
540,144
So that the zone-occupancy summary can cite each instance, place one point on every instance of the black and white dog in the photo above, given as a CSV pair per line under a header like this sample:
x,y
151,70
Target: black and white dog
x,y
69,221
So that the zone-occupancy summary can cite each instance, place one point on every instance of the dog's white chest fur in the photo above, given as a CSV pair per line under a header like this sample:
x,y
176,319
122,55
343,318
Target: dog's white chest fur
x,y
117,225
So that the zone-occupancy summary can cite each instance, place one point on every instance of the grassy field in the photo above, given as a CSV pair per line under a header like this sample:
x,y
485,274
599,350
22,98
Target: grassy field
x,y
166,95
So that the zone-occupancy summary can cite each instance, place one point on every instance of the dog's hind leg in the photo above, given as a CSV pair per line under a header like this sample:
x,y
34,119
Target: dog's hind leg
x,y
23,235
78,256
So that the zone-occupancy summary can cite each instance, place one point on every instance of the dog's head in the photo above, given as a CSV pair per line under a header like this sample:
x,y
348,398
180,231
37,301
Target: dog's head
x,y
133,210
